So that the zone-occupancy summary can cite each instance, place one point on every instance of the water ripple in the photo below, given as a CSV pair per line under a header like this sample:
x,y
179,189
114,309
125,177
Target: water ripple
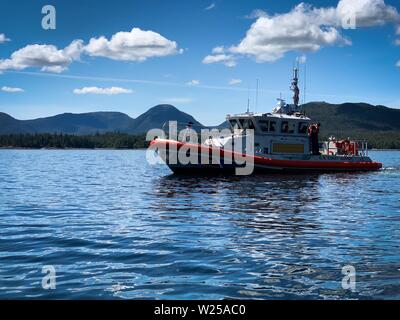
x,y
115,227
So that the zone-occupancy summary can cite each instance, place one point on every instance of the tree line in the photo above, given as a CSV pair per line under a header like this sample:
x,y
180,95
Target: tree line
x,y
378,140
65,141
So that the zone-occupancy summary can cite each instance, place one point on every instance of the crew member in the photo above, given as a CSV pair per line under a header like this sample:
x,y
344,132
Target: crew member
x,y
313,132
189,132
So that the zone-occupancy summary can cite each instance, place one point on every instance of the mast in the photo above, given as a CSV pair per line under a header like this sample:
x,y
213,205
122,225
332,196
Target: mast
x,y
305,81
294,87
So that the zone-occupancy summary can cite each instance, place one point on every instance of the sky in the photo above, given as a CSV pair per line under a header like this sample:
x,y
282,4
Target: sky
x,y
204,57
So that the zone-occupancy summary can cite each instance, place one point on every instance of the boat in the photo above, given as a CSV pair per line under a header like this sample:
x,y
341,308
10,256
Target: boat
x,y
281,141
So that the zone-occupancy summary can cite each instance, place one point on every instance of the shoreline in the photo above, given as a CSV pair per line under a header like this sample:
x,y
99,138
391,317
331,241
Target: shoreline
x,y
120,149
72,149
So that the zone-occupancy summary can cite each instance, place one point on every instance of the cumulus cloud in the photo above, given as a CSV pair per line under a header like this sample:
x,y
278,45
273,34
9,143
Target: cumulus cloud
x,y
210,7
219,55
256,13
368,13
136,45
269,38
46,57
105,91
12,89
3,38
218,50
306,28
193,83
232,82
397,42
227,60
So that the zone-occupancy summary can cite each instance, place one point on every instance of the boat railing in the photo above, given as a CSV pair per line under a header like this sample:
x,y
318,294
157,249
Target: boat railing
x,y
347,147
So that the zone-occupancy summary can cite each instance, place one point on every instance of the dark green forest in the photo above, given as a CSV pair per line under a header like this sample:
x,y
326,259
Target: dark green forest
x,y
379,125
378,140
64,141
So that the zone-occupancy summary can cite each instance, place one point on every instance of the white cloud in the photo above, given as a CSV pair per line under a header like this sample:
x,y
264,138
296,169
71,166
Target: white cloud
x,y
193,83
210,7
305,28
398,64
397,42
106,91
177,100
302,59
218,50
368,13
256,13
269,38
3,38
136,45
46,57
232,82
219,55
12,89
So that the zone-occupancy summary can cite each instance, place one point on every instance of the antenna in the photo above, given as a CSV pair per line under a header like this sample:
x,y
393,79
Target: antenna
x,y
294,87
257,95
305,80
248,99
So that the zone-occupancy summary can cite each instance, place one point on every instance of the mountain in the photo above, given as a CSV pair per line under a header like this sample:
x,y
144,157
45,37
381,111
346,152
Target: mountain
x,y
160,114
97,122
68,123
353,116
10,125
85,123
379,125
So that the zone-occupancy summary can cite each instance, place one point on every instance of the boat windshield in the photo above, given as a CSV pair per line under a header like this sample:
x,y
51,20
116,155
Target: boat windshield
x,y
247,124
303,127
234,124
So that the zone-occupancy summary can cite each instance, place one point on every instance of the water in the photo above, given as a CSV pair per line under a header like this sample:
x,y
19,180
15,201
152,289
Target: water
x,y
115,227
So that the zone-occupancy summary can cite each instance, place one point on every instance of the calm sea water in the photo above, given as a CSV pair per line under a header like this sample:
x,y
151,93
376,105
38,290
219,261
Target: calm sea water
x,y
115,227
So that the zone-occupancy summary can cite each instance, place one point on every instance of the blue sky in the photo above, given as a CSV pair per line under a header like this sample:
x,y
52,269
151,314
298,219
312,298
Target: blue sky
x,y
171,65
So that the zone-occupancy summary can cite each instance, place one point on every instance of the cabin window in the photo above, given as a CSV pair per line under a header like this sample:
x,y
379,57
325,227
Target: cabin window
x,y
272,125
247,124
234,124
263,125
292,127
303,127
285,127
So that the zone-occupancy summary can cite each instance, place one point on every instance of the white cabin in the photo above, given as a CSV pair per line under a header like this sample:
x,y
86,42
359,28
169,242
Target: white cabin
x,y
274,133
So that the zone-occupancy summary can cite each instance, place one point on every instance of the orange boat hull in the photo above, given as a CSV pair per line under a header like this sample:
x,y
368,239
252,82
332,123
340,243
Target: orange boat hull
x,y
261,163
